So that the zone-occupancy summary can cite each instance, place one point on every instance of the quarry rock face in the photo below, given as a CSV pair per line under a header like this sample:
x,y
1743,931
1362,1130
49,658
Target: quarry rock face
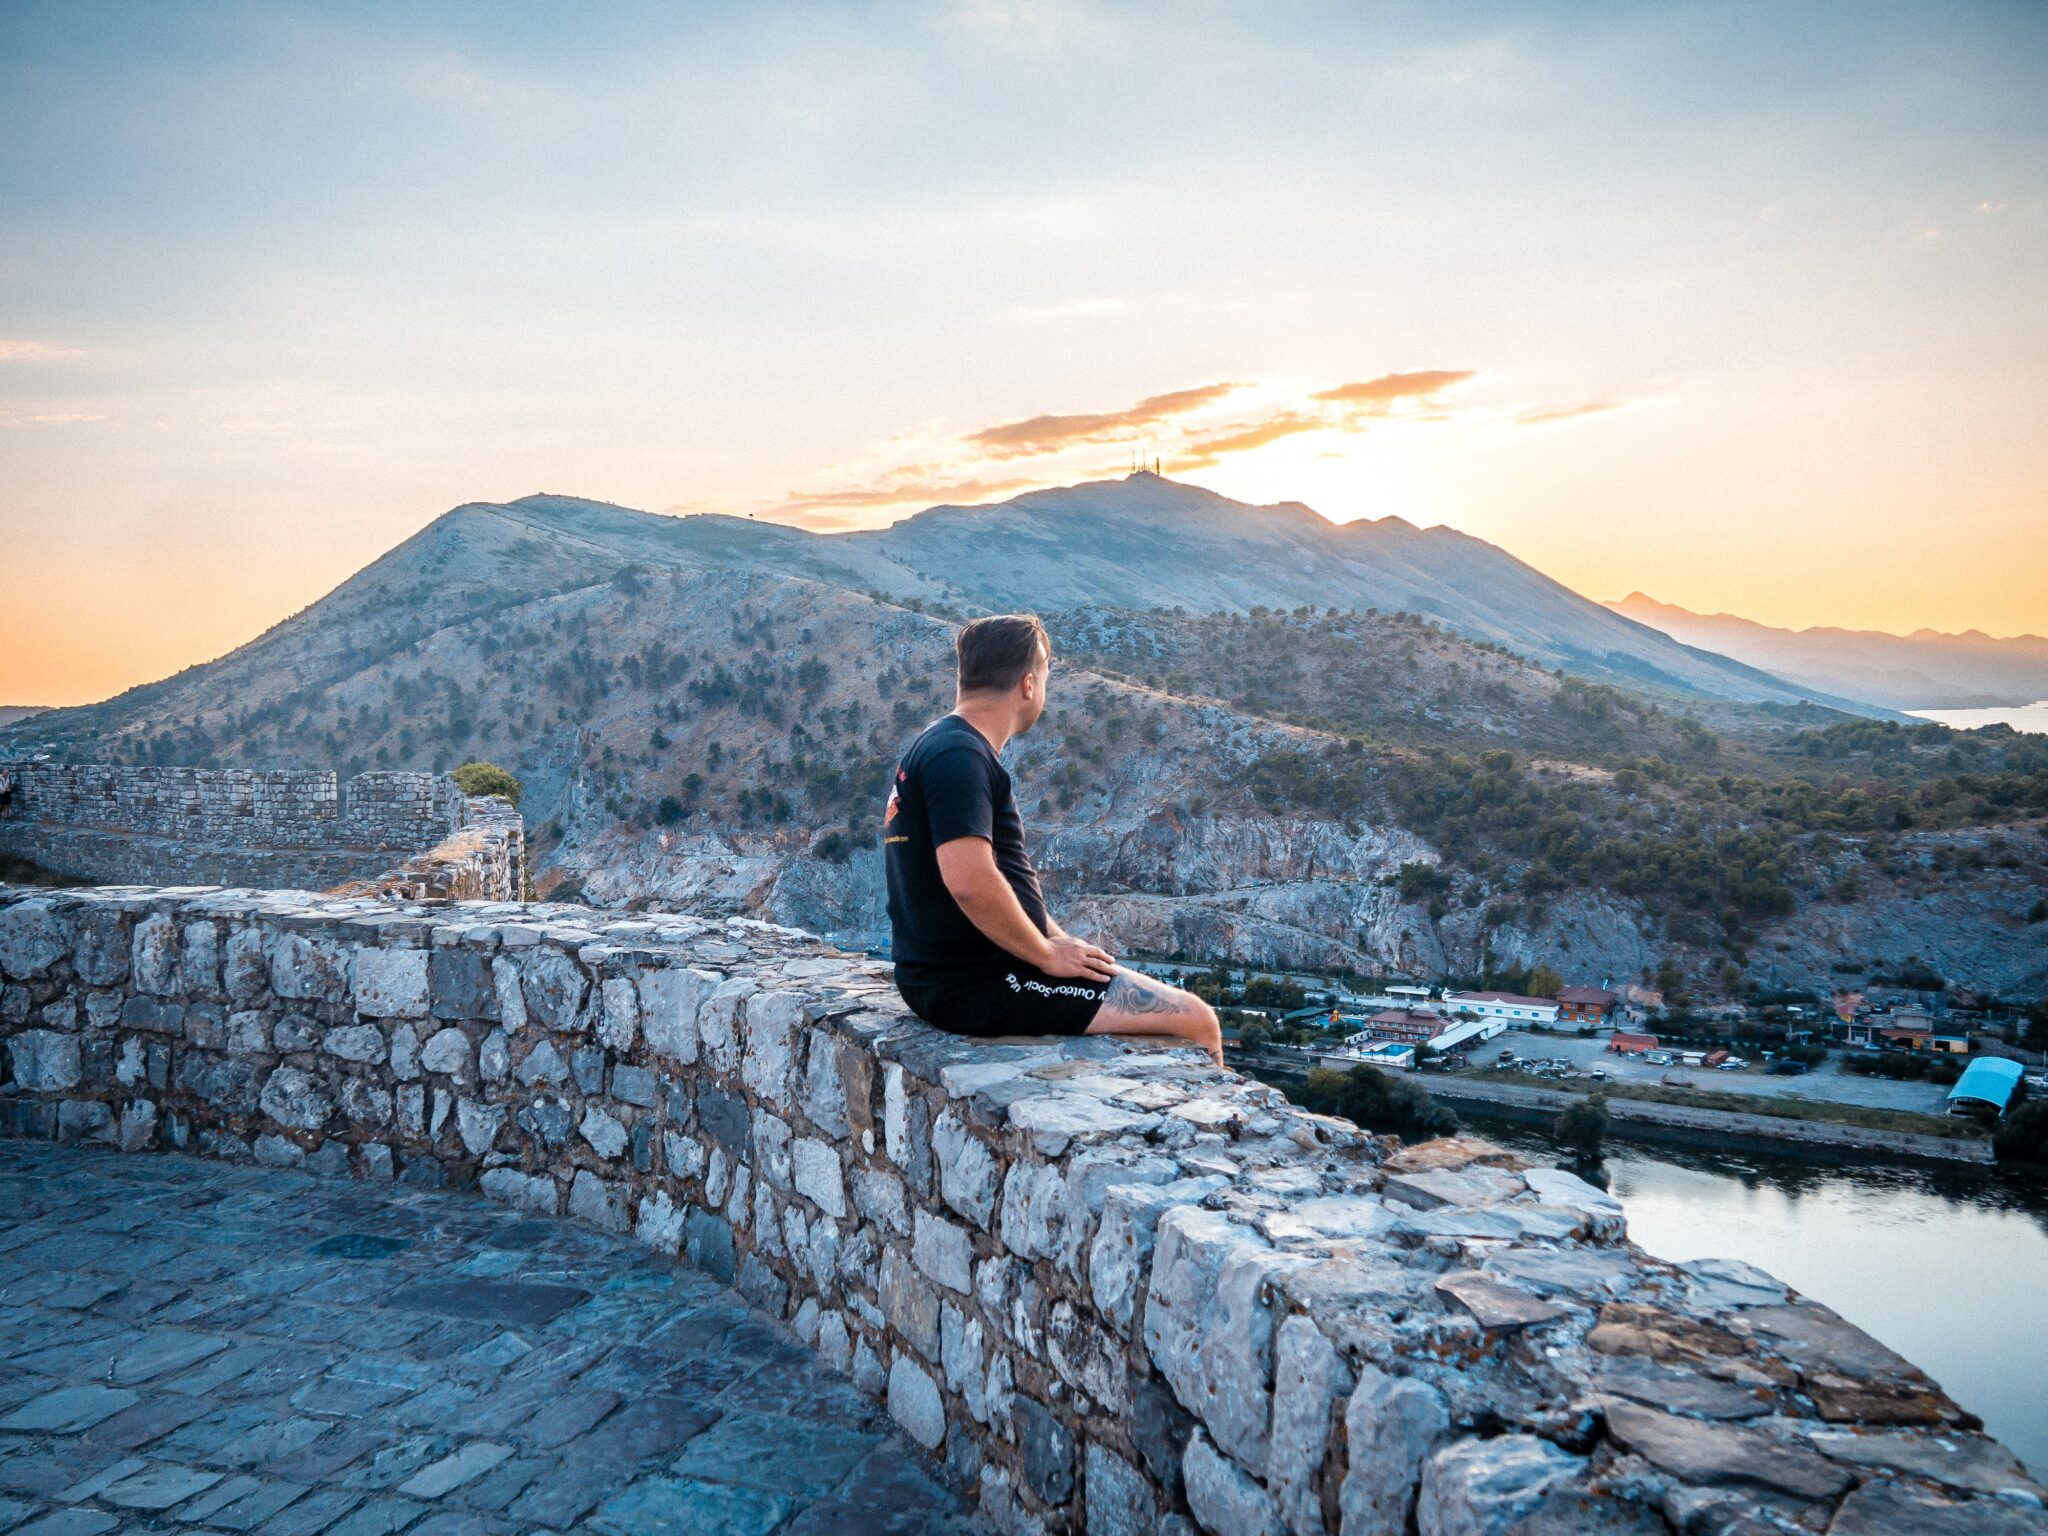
x,y
1113,1287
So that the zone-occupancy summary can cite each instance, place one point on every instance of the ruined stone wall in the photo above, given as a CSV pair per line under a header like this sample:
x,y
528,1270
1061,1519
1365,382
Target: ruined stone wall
x,y
1117,1290
289,827
482,860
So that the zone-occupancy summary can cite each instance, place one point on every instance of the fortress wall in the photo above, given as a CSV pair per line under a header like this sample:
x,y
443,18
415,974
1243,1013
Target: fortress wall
x,y
1115,1289
287,827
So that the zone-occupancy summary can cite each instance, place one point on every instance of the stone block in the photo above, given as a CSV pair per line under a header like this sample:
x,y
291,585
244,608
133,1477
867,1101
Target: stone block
x,y
494,1057
618,1024
199,965
542,1064
276,1152
547,1119
915,1404
246,970
682,1155
878,1196
478,1124
660,1222
511,999
100,953
447,1051
587,1067
1117,1497
1046,1450
85,1120
771,1137
942,1251
365,1104
816,1173
670,998
1487,1487
604,1133
405,1053
355,1042
909,1303
296,1099
1392,1425
771,1020
554,987
138,1126
516,1189
708,1242
301,968
598,1202
1209,1324
634,1085
1223,1497
724,1115
390,983
969,1178
32,939
45,1061
152,1016
461,985
154,959
824,1095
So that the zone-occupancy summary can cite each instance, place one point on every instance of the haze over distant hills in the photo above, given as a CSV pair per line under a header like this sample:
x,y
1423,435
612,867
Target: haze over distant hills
x,y
1924,670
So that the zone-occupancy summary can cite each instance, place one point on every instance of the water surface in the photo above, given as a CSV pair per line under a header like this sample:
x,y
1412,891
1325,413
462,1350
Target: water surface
x,y
2021,717
1948,1268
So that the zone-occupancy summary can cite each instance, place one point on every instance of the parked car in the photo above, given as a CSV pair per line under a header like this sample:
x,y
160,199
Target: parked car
x,y
1786,1067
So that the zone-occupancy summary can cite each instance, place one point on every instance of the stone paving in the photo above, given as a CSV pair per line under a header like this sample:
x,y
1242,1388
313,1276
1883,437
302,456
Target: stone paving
x,y
195,1347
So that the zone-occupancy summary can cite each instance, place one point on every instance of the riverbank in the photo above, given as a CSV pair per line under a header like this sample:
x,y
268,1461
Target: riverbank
x,y
1722,1124
1717,1126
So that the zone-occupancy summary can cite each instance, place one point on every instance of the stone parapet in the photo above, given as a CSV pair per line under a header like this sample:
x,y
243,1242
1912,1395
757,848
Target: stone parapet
x,y
274,827
482,860
1117,1290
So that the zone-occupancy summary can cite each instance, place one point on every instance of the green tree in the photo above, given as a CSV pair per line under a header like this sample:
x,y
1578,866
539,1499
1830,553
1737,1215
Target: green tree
x,y
1582,1127
474,778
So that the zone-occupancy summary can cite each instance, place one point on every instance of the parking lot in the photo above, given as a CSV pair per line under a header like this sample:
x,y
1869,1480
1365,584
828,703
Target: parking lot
x,y
1826,1082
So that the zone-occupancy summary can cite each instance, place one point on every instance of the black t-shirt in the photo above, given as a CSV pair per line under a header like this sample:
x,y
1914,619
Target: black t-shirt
x,y
950,784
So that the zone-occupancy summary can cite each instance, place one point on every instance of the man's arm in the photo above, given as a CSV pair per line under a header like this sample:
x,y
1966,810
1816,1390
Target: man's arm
x,y
968,866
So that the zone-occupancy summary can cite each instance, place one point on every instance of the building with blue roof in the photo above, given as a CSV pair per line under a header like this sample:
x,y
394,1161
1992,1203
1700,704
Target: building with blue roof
x,y
1987,1084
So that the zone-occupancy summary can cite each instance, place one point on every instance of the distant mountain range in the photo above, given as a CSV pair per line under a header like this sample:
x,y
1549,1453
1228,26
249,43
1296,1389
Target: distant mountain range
x,y
1924,670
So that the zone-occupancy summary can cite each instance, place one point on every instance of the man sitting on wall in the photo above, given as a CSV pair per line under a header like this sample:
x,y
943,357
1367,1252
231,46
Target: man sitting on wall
x,y
976,952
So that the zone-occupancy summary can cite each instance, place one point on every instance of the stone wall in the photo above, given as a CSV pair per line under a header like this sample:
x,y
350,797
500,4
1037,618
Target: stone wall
x,y
1115,1289
482,860
287,827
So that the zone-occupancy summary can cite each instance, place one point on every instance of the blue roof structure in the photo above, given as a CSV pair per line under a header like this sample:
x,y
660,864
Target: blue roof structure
x,y
1987,1080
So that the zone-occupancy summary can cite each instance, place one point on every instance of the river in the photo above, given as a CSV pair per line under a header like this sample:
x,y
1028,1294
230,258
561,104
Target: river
x,y
1950,1268
2021,717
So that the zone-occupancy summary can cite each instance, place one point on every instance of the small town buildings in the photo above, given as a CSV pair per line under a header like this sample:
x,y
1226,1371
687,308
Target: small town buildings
x,y
1405,1024
1586,1005
1389,1055
1465,1034
1631,1044
1985,1088
1514,1011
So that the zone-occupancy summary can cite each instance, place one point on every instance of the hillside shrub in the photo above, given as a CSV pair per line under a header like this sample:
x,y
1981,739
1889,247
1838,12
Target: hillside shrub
x,y
474,778
1368,1097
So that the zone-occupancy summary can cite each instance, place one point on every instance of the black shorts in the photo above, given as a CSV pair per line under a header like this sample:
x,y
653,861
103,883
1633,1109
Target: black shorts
x,y
1017,1000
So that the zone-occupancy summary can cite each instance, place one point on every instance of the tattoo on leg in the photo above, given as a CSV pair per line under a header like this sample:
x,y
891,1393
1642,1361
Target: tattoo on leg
x,y
1131,994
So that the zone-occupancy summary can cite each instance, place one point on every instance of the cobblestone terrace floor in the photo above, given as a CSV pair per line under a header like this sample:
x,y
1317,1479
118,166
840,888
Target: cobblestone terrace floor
x,y
192,1346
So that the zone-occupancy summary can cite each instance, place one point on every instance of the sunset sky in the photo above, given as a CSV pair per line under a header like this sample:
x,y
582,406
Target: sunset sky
x,y
1744,306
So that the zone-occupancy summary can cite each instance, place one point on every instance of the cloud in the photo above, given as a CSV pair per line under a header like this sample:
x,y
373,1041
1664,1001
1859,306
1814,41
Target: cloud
x,y
899,493
21,350
1544,417
54,419
1389,387
1202,452
1050,434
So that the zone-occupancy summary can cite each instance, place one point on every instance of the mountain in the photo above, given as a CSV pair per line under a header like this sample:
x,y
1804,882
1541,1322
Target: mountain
x,y
1924,670
9,713
703,711
1145,541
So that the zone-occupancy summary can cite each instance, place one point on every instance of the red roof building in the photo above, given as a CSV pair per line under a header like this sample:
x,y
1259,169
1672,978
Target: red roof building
x,y
1405,1025
1586,1005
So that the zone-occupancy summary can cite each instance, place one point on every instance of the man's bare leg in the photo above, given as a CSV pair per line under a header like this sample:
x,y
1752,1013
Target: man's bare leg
x,y
1135,1004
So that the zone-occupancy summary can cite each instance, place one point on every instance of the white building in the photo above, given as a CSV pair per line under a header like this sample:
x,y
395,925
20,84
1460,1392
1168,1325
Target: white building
x,y
1514,1011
